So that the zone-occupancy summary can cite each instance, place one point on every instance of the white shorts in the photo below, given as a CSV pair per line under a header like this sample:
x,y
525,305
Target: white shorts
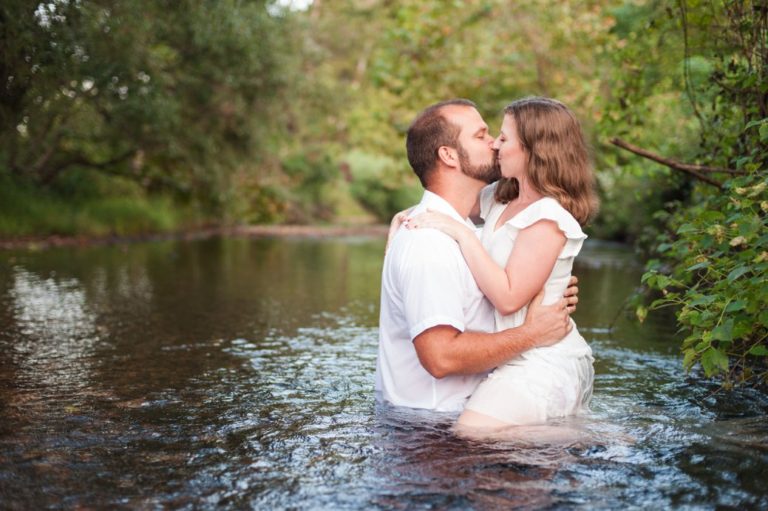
x,y
532,390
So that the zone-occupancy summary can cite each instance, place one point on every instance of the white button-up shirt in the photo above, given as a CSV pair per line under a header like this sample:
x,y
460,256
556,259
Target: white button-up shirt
x,y
425,283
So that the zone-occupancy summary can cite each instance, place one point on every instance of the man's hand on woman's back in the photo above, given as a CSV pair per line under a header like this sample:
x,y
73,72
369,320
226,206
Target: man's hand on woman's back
x,y
547,324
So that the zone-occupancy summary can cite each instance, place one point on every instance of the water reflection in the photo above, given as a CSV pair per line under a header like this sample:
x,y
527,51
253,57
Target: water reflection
x,y
239,374
56,331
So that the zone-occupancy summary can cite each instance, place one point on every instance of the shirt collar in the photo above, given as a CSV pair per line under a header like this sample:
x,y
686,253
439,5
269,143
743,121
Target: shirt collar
x,y
431,200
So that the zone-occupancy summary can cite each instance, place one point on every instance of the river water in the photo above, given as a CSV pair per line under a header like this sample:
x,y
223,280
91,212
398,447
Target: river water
x,y
238,373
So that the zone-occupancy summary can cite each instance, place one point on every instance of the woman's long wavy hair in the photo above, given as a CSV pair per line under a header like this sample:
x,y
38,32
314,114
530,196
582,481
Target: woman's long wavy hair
x,y
558,163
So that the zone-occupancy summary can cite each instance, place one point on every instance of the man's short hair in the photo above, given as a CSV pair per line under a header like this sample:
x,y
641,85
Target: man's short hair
x,y
427,133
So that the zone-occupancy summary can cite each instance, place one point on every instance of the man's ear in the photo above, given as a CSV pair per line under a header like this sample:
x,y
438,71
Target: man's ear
x,y
448,156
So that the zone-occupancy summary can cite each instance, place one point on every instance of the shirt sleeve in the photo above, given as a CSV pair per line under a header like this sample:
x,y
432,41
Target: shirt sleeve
x,y
432,283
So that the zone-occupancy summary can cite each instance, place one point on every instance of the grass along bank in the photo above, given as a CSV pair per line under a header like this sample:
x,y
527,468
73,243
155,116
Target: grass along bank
x,y
121,210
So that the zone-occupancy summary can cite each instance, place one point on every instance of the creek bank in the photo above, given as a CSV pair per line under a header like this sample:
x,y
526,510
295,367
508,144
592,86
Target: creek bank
x,y
245,231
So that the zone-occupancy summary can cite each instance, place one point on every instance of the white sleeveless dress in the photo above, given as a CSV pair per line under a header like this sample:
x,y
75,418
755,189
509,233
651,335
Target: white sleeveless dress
x,y
542,383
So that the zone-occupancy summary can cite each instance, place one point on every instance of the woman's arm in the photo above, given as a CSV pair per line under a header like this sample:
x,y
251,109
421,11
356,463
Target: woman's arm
x,y
527,269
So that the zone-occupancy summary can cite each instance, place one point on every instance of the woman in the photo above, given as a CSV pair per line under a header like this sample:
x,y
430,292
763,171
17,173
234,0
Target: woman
x,y
532,234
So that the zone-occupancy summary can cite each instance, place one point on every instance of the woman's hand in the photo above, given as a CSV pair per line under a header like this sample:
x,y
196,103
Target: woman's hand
x,y
441,222
397,220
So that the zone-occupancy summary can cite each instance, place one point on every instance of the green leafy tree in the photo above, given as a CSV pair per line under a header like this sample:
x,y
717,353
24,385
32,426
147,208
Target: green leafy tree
x,y
712,258
172,95
397,57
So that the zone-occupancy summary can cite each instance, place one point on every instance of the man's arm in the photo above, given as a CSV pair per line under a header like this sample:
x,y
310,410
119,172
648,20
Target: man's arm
x,y
444,350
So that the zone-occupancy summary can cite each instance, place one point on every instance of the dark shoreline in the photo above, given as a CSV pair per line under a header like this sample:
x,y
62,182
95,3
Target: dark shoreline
x,y
246,231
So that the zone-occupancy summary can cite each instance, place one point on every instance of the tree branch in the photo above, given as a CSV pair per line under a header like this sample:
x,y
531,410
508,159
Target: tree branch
x,y
80,159
693,170
42,161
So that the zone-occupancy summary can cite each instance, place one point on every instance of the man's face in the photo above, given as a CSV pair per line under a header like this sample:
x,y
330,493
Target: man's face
x,y
476,155
487,172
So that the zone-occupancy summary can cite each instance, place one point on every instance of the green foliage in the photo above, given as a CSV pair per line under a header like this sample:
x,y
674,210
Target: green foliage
x,y
218,102
404,55
111,206
380,186
712,259
173,96
645,105
247,112
311,170
716,262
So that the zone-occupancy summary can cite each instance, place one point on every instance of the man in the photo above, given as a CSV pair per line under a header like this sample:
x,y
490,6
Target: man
x,y
435,340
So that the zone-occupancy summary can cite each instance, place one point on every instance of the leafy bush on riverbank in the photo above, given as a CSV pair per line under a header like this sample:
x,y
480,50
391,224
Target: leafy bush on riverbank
x,y
30,211
717,254
711,259
380,186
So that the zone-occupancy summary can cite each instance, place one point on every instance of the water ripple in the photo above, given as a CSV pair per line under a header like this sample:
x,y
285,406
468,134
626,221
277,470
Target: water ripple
x,y
189,376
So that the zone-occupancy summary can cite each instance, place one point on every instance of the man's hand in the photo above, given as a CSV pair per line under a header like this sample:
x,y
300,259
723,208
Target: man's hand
x,y
547,324
571,294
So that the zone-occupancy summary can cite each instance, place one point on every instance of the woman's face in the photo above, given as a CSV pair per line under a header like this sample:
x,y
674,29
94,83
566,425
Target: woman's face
x,y
512,156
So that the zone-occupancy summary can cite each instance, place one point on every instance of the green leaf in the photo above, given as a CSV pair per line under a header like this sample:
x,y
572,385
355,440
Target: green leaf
x,y
711,216
689,358
702,300
697,266
714,361
641,313
763,318
737,272
723,332
736,306
694,318
653,265
743,327
689,341
760,350
764,132
686,228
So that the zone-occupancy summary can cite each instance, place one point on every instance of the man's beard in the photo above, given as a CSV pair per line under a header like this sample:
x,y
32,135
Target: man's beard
x,y
488,172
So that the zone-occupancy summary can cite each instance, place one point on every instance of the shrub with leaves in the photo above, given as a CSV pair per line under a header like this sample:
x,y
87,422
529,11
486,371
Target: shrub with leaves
x,y
380,186
718,271
712,259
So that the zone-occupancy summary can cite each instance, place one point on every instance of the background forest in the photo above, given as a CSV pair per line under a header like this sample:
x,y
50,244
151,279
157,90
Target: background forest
x,y
146,116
